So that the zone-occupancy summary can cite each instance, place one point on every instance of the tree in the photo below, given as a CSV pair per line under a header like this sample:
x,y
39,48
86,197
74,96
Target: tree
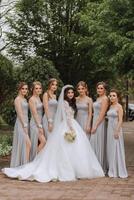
x,y
7,89
110,28
47,29
5,8
37,68
7,81
84,39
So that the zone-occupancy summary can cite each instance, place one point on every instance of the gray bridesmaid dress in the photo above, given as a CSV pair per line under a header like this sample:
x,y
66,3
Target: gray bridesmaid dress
x,y
82,114
97,139
18,155
34,131
115,148
52,107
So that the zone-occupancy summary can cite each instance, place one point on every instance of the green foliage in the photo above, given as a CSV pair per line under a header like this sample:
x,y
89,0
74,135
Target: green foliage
x,y
7,81
8,111
1,121
5,145
37,68
7,89
47,29
84,40
110,27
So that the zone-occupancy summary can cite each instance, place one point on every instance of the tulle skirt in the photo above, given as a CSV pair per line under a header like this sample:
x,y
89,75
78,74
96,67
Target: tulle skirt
x,y
61,160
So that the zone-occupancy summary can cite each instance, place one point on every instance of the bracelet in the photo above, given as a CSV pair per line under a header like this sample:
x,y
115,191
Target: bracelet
x,y
25,125
50,120
40,126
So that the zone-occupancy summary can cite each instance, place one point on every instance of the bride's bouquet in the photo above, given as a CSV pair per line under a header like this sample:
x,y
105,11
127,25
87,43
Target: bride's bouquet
x,y
70,136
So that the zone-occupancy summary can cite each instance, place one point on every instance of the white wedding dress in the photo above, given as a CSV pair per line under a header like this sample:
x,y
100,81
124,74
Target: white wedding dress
x,y
60,159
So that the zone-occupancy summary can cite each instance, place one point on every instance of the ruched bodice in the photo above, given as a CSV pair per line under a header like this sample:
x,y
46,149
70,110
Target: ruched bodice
x,y
82,107
82,114
39,107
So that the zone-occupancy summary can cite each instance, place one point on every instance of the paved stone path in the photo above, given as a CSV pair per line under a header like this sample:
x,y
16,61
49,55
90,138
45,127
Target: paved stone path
x,y
95,189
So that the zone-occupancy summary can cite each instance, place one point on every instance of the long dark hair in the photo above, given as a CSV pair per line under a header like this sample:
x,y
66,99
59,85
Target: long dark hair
x,y
72,102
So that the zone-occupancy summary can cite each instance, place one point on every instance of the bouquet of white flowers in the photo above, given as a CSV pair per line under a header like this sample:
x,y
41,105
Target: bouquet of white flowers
x,y
70,136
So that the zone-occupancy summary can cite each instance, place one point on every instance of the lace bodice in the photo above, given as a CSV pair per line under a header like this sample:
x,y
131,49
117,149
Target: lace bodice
x,y
82,107
69,114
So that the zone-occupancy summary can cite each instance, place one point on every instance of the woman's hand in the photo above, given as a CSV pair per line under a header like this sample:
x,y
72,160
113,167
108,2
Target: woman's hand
x,y
50,127
93,130
116,135
41,132
26,130
88,130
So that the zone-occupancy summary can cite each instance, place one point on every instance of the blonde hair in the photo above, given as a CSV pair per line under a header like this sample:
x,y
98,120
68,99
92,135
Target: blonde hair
x,y
34,84
50,82
83,84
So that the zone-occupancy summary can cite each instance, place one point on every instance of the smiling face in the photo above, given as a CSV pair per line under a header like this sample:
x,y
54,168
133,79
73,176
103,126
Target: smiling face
x,y
70,93
24,90
113,97
81,90
101,90
53,86
37,89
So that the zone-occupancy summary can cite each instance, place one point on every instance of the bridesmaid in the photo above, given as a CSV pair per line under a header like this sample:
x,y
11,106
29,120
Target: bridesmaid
x,y
21,142
98,132
115,143
84,107
50,106
36,129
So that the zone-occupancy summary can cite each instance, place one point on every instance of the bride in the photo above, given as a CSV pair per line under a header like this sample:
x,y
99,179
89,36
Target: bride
x,y
62,159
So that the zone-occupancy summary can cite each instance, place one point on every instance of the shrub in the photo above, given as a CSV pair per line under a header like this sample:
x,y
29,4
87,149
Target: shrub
x,y
5,145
